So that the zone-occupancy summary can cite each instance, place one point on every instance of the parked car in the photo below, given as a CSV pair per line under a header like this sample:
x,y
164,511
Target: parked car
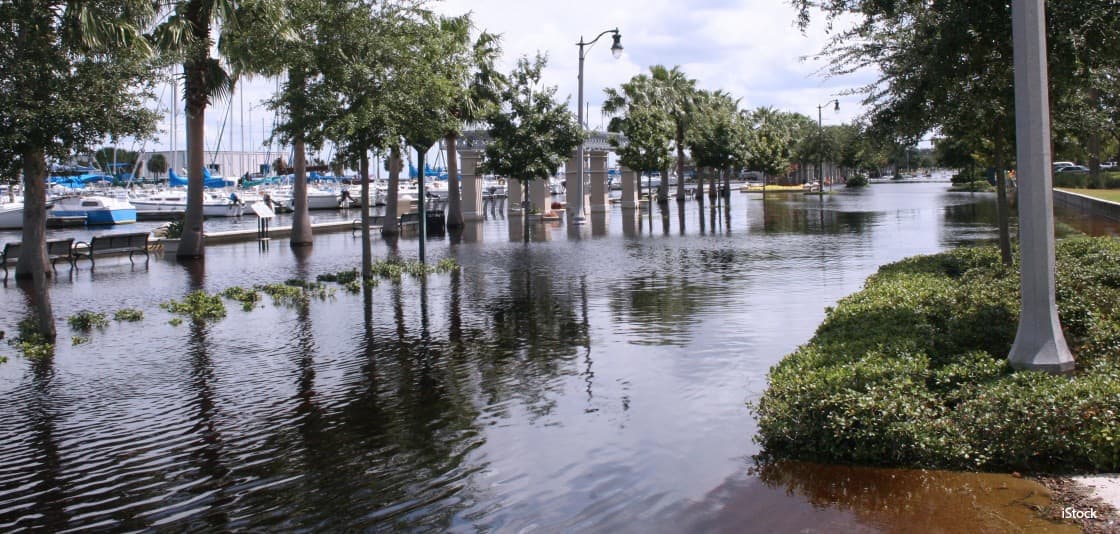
x,y
1060,164
1073,168
1108,165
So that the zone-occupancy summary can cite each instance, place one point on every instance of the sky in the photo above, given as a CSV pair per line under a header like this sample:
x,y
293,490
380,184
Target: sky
x,y
751,49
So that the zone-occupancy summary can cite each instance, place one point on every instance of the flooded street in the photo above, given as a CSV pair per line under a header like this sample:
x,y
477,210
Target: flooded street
x,y
594,379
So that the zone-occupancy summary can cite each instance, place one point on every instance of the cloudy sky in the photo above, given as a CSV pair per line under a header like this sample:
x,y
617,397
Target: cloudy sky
x,y
749,48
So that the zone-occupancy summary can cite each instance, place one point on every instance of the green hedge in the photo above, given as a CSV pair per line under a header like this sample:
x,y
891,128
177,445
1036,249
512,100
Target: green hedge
x,y
911,371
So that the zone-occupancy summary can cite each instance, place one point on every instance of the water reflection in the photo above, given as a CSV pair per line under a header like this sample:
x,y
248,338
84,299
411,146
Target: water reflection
x,y
579,384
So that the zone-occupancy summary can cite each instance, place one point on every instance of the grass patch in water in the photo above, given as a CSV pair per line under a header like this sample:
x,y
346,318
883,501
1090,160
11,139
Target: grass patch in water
x,y
912,371
86,320
199,306
131,315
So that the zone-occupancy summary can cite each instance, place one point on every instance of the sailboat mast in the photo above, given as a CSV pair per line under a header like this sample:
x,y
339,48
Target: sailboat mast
x,y
174,123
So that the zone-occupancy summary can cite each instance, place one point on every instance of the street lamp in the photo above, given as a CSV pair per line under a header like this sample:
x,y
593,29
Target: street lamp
x,y
616,51
820,147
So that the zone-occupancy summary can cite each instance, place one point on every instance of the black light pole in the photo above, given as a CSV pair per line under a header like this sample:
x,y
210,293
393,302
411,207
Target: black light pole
x,y
576,217
820,147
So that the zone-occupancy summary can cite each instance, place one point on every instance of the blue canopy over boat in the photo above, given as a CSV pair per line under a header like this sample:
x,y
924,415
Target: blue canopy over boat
x,y
207,180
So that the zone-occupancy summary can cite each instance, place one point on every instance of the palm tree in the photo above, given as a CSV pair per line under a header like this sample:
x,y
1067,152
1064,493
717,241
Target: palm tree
x,y
677,94
477,97
189,30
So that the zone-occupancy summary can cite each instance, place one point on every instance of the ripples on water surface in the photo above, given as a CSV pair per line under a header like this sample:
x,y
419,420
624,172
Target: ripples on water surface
x,y
589,380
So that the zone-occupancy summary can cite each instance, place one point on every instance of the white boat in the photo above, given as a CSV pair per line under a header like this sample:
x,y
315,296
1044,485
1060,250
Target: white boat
x,y
214,204
97,209
11,215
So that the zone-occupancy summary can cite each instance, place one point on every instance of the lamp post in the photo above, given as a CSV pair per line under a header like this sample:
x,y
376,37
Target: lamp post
x,y
820,147
576,217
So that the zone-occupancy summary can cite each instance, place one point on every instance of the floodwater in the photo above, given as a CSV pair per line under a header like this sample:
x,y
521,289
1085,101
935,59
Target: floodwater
x,y
593,379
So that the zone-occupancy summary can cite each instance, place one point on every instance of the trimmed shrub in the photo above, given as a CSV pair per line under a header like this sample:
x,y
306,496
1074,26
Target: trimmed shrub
x,y
912,371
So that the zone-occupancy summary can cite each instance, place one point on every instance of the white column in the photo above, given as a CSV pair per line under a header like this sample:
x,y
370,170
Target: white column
x,y
599,182
629,188
539,195
472,185
571,176
1039,343
515,190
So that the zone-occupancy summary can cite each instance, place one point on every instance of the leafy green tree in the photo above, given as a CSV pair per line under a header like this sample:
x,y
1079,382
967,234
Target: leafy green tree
x,y
157,164
71,74
282,38
774,135
531,134
369,98
718,136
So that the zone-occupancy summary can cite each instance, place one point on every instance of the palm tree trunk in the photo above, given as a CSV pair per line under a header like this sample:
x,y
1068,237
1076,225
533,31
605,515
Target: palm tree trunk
x,y
367,253
454,203
191,244
680,162
700,186
389,225
422,198
301,219
33,261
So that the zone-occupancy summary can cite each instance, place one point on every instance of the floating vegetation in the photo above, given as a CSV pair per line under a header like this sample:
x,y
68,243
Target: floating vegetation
x,y
351,280
247,297
31,342
86,320
131,315
79,340
295,292
175,321
199,306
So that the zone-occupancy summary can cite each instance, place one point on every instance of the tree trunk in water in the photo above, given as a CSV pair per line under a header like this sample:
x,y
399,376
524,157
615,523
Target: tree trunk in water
x,y
726,184
422,199
367,252
525,207
700,187
301,219
680,163
33,261
389,225
663,187
1001,203
714,189
454,202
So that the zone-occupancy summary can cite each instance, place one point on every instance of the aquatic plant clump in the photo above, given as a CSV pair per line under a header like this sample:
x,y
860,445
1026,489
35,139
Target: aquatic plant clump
x,y
31,342
912,371
131,315
247,297
199,306
86,320
295,292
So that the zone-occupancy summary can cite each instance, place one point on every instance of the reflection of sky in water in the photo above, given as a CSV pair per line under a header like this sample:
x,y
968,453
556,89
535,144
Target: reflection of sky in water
x,y
595,374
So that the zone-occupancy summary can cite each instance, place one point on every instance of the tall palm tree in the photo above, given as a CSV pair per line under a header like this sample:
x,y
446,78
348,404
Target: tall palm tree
x,y
677,94
189,30
478,95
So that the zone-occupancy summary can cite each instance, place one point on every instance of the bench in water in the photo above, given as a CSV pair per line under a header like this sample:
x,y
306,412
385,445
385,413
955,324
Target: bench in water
x,y
113,244
57,249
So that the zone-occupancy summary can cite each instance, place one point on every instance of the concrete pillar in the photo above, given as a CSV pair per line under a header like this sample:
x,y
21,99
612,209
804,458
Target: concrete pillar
x,y
1039,343
599,222
571,176
514,188
629,188
472,231
631,222
472,185
539,196
599,202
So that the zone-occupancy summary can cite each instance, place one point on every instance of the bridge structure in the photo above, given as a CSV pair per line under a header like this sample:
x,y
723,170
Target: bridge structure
x,y
471,146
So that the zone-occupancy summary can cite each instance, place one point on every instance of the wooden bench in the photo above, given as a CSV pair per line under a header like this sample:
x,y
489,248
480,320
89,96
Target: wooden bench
x,y
113,244
57,249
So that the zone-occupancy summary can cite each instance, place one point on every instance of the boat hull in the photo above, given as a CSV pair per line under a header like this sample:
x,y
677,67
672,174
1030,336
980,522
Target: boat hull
x,y
11,217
